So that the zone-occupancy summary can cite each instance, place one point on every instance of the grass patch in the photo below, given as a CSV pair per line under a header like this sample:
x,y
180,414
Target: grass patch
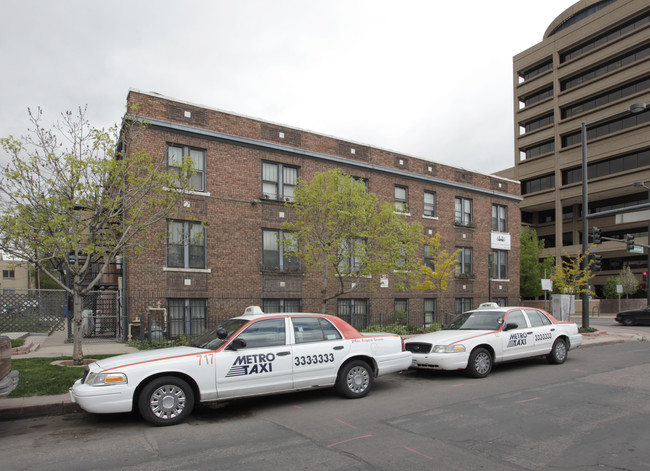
x,y
180,341
15,343
587,330
38,377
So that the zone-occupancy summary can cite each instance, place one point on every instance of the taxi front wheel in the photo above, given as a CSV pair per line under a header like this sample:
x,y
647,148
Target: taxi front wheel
x,y
354,379
479,364
166,401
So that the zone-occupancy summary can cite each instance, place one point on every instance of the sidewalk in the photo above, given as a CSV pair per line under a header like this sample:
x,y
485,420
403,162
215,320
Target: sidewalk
x,y
48,346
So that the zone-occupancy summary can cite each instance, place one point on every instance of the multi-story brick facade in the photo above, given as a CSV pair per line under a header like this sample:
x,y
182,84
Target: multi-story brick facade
x,y
246,169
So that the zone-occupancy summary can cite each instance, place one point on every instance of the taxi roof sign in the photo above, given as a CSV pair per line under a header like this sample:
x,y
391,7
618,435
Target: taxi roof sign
x,y
253,310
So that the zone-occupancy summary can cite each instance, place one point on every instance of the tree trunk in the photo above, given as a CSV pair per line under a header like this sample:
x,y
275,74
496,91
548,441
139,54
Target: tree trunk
x,y
77,353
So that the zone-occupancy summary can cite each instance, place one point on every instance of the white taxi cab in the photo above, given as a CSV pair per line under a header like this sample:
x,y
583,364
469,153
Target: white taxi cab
x,y
254,354
476,340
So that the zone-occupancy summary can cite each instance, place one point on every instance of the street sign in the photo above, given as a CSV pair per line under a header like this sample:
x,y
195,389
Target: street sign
x,y
636,249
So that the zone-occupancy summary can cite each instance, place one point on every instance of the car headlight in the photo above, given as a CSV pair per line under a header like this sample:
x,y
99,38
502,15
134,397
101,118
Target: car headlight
x,y
105,379
448,348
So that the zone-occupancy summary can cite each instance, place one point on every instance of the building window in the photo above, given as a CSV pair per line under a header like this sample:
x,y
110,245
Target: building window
x,y
175,154
186,244
604,38
401,199
276,247
500,301
8,274
536,97
499,269
463,304
401,311
606,67
499,218
429,311
463,215
536,70
606,128
354,312
604,98
537,123
546,182
186,317
430,204
537,150
281,305
464,261
279,181
428,257
351,256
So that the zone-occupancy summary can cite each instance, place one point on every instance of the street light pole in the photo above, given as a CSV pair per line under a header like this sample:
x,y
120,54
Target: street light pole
x,y
647,285
634,108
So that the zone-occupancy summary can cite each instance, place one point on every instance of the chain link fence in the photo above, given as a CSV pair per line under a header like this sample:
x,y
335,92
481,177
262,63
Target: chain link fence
x,y
29,310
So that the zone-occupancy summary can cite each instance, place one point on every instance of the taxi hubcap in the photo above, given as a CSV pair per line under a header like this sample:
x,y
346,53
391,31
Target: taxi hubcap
x,y
167,401
358,379
482,362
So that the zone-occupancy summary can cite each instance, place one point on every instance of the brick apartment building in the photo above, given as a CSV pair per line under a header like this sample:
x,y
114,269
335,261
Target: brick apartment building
x,y
222,254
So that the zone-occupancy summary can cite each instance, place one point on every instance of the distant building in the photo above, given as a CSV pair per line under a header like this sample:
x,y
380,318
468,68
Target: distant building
x,y
592,65
220,253
15,275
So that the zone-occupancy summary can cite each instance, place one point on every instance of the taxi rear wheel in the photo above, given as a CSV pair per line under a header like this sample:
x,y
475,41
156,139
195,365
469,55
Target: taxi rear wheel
x,y
479,364
558,352
355,379
166,401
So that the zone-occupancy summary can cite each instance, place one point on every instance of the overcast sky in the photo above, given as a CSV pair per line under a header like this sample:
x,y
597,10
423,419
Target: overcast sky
x,y
432,79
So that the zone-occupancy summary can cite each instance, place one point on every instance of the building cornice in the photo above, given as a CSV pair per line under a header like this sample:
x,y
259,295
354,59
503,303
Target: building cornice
x,y
270,146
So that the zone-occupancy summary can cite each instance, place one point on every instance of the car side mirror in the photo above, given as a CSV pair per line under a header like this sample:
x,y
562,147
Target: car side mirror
x,y
237,344
222,333
511,326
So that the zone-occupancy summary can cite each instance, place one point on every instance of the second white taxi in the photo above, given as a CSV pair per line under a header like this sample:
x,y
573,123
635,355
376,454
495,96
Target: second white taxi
x,y
251,355
476,340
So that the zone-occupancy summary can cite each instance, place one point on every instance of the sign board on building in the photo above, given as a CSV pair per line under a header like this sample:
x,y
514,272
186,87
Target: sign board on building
x,y
383,281
636,249
500,241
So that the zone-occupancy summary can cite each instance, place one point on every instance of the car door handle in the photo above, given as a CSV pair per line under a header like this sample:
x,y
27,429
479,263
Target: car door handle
x,y
339,347
552,330
529,333
283,354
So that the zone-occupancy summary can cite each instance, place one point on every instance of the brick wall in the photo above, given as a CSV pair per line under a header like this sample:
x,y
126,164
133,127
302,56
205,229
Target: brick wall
x,y
235,214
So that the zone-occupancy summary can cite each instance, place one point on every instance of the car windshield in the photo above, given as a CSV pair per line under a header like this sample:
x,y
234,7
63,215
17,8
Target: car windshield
x,y
210,340
477,320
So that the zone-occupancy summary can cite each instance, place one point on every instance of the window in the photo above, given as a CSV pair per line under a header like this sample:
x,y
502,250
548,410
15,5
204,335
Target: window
x,y
517,317
8,274
401,199
276,246
463,304
351,256
186,317
429,311
430,204
499,218
264,333
354,312
175,154
314,329
279,181
401,311
281,305
463,211
536,318
428,257
464,259
499,269
185,244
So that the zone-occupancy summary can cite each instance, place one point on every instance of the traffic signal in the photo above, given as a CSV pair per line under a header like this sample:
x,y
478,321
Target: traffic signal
x,y
597,235
629,240
597,263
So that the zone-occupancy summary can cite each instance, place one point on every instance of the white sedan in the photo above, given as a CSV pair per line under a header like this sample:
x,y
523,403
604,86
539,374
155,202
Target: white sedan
x,y
476,340
251,355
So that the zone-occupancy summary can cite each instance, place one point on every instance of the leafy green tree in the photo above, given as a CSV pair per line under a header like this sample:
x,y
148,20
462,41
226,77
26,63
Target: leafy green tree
x,y
609,288
571,278
72,200
349,236
629,282
442,265
532,270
